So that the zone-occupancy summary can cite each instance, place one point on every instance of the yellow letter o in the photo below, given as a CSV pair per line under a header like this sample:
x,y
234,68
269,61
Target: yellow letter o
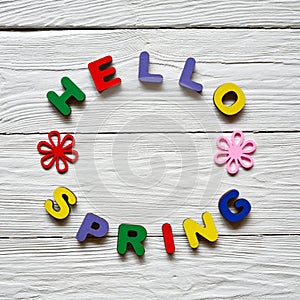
x,y
224,89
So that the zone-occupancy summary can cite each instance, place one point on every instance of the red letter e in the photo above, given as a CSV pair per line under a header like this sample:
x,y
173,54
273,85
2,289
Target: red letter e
x,y
100,73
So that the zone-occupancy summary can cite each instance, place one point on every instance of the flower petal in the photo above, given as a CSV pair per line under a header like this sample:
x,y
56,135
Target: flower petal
x,y
232,166
246,161
221,158
54,134
249,146
43,144
223,143
237,138
74,153
64,168
46,162
69,145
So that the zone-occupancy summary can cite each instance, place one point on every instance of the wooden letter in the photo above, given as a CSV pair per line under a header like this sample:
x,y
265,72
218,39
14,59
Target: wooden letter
x,y
242,204
63,197
100,74
224,89
72,91
92,225
144,74
133,235
185,78
192,228
168,238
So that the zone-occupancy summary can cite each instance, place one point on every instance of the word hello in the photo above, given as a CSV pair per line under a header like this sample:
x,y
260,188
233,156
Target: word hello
x,y
134,235
102,77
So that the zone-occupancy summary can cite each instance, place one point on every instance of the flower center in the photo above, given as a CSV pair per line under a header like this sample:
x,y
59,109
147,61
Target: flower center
x,y
235,151
58,151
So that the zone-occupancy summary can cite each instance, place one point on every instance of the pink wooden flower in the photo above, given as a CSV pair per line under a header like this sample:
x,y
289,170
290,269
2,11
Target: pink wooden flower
x,y
235,152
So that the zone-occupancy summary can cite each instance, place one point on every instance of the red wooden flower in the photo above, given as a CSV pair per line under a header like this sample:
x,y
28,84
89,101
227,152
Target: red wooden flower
x,y
57,151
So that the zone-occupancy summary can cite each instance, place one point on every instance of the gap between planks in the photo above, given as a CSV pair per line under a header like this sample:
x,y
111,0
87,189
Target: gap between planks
x,y
58,28
149,132
148,236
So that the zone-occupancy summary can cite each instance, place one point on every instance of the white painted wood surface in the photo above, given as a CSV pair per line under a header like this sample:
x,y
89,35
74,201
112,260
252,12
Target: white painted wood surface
x,y
155,13
146,152
163,178
262,62
246,268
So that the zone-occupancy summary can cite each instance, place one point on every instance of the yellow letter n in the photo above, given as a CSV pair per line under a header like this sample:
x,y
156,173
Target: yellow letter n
x,y
192,229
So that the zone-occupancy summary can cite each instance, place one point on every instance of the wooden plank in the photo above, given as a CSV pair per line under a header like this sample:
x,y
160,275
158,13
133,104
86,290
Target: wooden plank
x,y
73,49
134,14
33,63
234,268
139,162
149,179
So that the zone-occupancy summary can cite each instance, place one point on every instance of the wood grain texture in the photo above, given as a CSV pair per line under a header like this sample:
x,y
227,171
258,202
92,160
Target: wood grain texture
x,y
146,151
149,179
137,14
244,268
264,63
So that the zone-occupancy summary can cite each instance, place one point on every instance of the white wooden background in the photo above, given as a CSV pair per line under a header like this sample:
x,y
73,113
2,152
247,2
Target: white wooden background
x,y
146,152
